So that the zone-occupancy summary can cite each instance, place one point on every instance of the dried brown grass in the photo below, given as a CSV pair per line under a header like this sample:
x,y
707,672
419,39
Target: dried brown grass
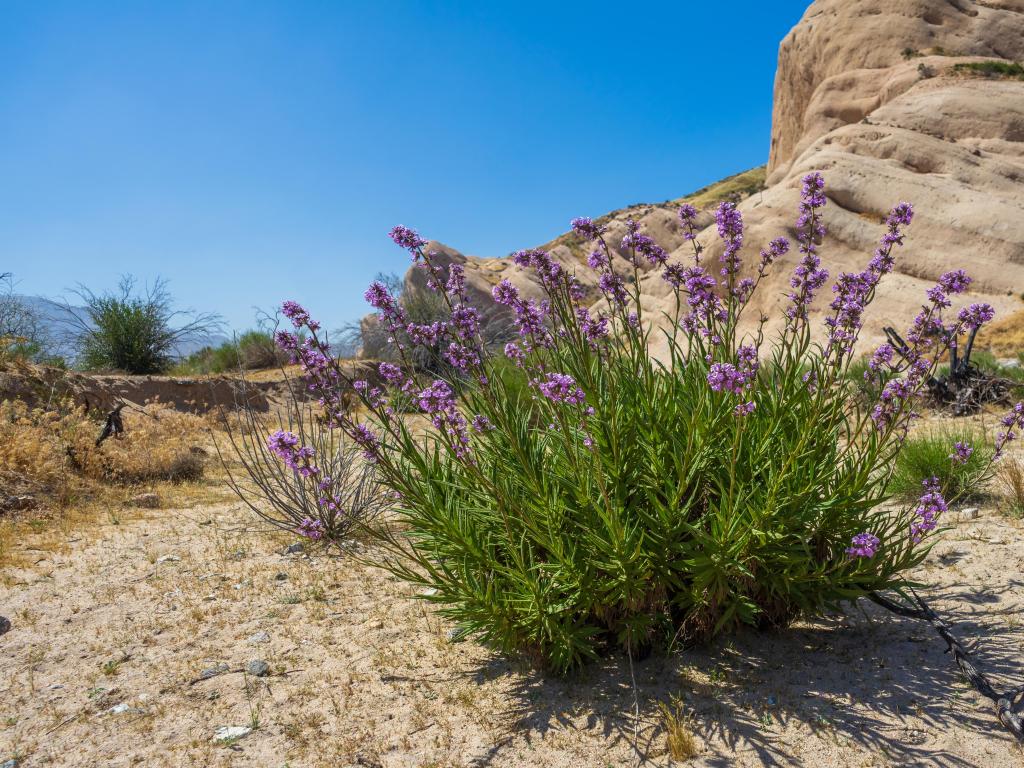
x,y
51,455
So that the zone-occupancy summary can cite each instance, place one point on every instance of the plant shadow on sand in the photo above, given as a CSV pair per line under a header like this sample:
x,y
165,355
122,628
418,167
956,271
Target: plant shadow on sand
x,y
864,677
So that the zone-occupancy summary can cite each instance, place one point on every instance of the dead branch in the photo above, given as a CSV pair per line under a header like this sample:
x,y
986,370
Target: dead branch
x,y
1005,702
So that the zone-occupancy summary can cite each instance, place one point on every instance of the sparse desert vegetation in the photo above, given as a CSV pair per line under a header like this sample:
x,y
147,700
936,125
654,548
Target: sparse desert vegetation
x,y
733,479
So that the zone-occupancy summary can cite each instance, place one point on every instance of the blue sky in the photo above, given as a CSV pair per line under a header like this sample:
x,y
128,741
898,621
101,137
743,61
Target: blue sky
x,y
251,152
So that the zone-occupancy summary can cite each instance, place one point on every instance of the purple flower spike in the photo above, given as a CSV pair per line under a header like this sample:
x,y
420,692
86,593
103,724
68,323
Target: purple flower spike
x,y
586,228
929,507
299,317
730,229
407,238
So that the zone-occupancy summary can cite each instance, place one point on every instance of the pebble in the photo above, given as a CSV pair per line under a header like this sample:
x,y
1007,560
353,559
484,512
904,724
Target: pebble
x,y
281,576
296,548
231,732
209,672
257,668
259,637
19,503
5,625
12,763
452,635
168,559
971,513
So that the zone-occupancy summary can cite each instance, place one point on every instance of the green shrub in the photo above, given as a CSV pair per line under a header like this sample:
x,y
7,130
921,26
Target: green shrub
x,y
252,350
991,68
927,454
637,501
134,333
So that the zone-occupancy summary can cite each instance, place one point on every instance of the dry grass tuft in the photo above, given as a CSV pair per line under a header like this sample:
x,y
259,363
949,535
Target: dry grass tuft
x,y
52,451
1011,477
680,740
51,456
1005,336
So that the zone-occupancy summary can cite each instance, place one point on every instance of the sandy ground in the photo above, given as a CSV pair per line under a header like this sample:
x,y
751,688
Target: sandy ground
x,y
111,636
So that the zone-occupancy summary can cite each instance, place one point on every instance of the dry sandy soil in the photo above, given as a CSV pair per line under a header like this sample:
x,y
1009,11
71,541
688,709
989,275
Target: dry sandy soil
x,y
111,635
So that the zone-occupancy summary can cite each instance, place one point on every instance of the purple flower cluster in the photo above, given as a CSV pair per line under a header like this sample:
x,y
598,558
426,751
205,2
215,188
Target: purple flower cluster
x,y
299,316
438,402
613,288
366,439
881,358
408,239
548,270
688,218
531,315
705,305
586,228
594,330
776,249
853,292
642,246
311,529
745,409
976,315
961,453
285,445
726,377
895,395
1014,419
863,545
929,507
561,388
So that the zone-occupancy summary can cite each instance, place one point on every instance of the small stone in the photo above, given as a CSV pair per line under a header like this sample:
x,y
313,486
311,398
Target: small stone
x,y
209,672
145,501
971,513
118,709
19,503
168,559
259,637
231,732
12,763
5,625
281,576
294,549
452,635
257,668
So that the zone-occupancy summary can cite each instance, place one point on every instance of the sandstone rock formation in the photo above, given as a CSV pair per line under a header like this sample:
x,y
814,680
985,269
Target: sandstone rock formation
x,y
891,100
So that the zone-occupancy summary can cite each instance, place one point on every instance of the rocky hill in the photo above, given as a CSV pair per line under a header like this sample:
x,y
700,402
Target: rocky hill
x,y
917,100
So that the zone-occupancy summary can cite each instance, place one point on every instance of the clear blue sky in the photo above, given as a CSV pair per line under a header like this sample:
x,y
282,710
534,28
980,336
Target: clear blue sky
x,y
256,151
